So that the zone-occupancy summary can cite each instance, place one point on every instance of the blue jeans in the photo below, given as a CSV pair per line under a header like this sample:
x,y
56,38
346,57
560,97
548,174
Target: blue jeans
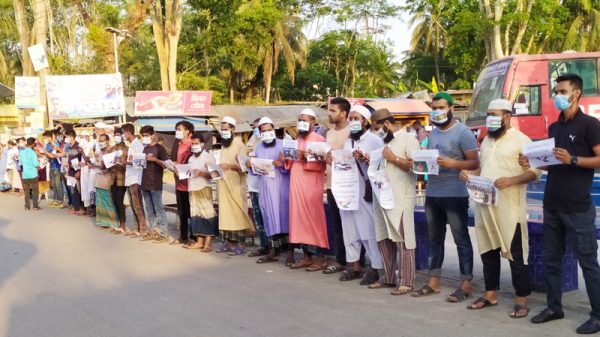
x,y
155,212
454,212
579,228
57,185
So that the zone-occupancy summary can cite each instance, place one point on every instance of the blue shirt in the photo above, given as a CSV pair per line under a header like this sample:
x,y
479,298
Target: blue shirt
x,y
54,163
451,143
29,162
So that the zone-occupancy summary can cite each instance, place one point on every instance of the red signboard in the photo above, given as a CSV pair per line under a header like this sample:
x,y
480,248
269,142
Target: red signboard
x,y
172,103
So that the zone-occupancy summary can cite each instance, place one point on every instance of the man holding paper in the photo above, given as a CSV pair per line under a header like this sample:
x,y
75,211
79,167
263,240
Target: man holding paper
x,y
502,229
357,224
273,194
394,223
233,203
308,226
568,207
133,180
152,186
447,200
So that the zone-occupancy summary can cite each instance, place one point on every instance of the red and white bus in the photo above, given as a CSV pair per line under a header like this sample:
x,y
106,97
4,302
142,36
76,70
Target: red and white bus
x,y
528,81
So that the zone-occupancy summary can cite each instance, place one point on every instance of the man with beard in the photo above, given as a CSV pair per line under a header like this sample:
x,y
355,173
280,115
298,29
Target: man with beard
x,y
308,225
273,194
394,226
446,197
358,226
502,229
234,221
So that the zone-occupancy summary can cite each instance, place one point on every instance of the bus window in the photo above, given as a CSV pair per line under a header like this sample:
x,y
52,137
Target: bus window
x,y
489,86
586,68
528,102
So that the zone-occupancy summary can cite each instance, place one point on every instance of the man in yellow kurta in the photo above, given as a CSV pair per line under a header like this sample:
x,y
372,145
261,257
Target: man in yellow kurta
x,y
234,221
502,229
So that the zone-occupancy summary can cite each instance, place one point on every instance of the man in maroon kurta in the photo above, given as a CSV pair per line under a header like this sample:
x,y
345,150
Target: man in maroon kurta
x,y
308,225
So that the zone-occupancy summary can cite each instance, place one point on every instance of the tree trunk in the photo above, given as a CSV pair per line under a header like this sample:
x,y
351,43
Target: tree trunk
x,y
167,29
497,39
522,27
41,29
24,36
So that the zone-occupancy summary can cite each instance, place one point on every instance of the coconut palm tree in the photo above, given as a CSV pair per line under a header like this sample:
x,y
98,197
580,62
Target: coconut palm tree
x,y
584,32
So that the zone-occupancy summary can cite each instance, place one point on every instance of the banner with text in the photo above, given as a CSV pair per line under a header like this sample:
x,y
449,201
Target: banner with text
x,y
172,103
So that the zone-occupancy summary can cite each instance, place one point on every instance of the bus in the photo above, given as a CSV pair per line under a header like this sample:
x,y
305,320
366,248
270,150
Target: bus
x,y
528,82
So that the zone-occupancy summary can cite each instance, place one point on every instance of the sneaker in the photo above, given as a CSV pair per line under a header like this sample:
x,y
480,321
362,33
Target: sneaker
x,y
589,327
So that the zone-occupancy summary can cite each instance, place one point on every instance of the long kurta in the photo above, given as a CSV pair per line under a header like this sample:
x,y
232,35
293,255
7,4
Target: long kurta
x,y
233,202
274,193
495,226
307,214
359,225
387,221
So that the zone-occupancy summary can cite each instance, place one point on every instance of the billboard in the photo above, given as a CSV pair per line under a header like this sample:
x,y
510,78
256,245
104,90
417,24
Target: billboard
x,y
85,96
172,103
27,92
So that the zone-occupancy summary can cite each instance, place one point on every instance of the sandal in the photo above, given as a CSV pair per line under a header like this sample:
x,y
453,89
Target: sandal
x,y
481,303
352,275
289,262
458,296
402,290
267,259
176,242
380,285
425,291
333,269
225,248
300,265
523,309
206,250
195,245
258,252
316,267
237,251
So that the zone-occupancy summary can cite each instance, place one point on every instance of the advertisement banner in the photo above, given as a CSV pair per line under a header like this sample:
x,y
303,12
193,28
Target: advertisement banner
x,y
85,96
37,54
172,103
27,92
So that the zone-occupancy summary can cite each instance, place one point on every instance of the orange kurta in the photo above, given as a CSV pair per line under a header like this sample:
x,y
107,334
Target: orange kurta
x,y
308,224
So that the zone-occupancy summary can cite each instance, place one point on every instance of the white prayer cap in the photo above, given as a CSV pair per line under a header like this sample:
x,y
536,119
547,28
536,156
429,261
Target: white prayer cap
x,y
308,112
229,120
265,120
100,125
500,104
362,110
84,133
109,127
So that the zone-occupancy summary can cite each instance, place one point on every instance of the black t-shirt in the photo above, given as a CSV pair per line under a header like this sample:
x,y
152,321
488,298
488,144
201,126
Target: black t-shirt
x,y
152,177
568,188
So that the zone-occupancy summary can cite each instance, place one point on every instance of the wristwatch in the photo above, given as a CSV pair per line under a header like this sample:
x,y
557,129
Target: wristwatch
x,y
574,160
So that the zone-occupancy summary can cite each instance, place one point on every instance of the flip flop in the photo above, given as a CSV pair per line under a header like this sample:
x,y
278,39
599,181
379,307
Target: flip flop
x,y
237,251
315,267
402,290
350,276
333,269
482,300
289,262
267,259
206,250
425,291
518,308
458,296
257,253
300,265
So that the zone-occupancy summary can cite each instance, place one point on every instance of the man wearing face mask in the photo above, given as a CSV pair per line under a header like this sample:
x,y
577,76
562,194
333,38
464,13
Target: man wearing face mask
x,y
234,221
568,208
133,180
274,194
118,188
253,191
447,199
394,227
308,226
181,152
152,186
358,227
53,152
502,230
339,108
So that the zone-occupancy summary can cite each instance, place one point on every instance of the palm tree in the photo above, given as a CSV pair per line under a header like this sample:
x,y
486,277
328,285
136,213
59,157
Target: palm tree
x,y
584,32
429,34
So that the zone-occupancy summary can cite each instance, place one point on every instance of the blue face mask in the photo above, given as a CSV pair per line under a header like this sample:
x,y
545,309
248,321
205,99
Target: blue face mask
x,y
561,102
256,133
493,123
355,126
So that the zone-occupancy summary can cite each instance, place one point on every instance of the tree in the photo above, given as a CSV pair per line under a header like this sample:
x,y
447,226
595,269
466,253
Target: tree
x,y
584,31
167,16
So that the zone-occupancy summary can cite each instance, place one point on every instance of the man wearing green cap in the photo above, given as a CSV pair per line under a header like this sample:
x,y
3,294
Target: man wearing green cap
x,y
447,199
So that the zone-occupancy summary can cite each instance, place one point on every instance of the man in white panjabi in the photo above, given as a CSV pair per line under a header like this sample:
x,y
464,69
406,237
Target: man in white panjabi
x,y
502,229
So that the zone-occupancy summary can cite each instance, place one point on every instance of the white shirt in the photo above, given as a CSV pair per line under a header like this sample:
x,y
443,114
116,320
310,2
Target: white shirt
x,y
133,175
199,163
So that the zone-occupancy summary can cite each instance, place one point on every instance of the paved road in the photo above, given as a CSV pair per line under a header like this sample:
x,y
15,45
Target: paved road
x,y
61,276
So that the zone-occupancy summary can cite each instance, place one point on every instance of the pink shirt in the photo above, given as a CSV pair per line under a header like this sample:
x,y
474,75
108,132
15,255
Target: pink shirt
x,y
183,153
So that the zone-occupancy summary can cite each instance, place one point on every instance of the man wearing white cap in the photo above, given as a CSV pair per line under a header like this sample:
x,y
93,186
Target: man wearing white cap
x,y
273,194
502,229
308,225
358,225
234,221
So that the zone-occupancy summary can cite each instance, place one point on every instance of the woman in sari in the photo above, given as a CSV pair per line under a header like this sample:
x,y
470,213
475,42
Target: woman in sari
x,y
106,214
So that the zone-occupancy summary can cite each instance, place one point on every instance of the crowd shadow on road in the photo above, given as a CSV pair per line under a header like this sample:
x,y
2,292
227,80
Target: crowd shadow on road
x,y
14,254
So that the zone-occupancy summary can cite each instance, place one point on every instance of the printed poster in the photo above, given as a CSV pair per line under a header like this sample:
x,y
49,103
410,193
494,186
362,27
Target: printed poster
x,y
317,151
541,153
27,92
290,149
263,167
380,181
425,162
482,190
344,180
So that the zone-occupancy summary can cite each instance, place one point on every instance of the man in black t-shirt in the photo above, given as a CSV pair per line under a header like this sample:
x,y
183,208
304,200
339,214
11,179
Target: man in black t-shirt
x,y
568,208
152,185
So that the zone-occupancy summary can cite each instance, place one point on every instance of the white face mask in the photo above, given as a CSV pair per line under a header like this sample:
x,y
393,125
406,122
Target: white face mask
x,y
267,136
493,123
381,133
83,141
118,139
179,135
355,126
197,148
103,145
226,134
303,126
146,140
67,141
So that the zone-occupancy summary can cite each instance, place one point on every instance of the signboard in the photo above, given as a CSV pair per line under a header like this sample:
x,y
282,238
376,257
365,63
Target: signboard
x,y
172,103
38,57
85,96
27,92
